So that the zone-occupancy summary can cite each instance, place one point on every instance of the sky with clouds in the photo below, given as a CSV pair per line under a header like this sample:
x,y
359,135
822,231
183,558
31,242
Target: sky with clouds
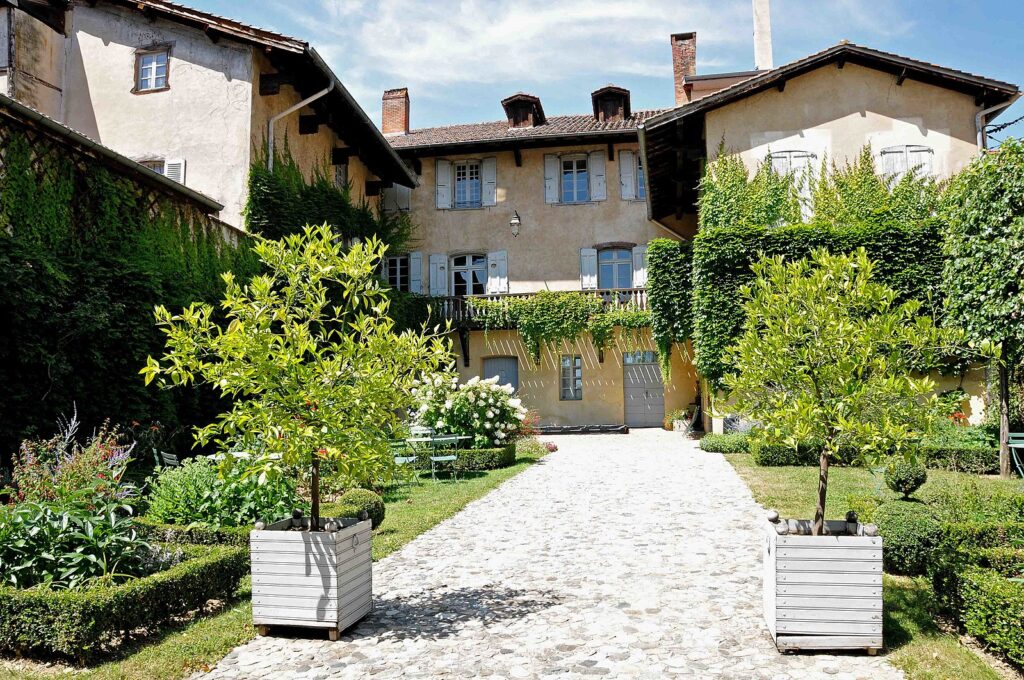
x,y
459,58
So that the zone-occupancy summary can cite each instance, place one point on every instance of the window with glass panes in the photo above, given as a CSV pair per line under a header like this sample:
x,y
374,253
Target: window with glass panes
x,y
467,184
469,274
397,269
614,268
572,377
158,166
575,182
152,71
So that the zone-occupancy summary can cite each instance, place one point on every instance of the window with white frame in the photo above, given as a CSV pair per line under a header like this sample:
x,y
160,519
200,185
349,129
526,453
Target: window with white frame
x,y
641,180
897,161
800,164
469,274
468,186
170,168
158,165
614,268
572,378
396,272
151,70
575,180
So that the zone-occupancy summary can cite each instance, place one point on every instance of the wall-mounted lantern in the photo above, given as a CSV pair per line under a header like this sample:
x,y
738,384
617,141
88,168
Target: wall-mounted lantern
x,y
515,223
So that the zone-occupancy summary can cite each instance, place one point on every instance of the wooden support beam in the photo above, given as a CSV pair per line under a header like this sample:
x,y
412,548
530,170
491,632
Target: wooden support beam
x,y
611,152
980,99
341,156
517,153
309,124
780,84
417,165
840,63
464,344
901,77
372,188
212,34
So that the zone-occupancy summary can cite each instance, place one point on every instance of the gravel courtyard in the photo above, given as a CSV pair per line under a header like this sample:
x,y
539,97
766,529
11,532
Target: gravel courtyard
x,y
627,556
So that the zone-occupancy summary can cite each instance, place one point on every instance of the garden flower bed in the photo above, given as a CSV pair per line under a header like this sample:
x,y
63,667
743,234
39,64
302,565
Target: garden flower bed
x,y
81,623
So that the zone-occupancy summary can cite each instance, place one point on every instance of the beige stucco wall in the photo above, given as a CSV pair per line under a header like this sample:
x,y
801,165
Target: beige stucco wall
x,y
204,116
973,383
546,253
36,72
837,111
539,385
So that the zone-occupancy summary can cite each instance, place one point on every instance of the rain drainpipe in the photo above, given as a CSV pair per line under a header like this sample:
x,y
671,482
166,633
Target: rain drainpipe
x,y
290,110
979,122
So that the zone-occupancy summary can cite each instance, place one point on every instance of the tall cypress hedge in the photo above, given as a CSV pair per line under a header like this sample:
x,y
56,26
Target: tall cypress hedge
x,y
908,258
85,254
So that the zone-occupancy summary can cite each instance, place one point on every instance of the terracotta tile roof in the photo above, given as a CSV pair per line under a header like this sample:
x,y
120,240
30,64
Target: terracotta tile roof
x,y
499,131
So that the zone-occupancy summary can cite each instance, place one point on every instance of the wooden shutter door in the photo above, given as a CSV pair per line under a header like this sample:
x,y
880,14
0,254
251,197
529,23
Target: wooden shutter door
x,y
497,272
639,266
175,169
416,273
627,175
588,268
489,175
438,275
443,184
598,184
550,178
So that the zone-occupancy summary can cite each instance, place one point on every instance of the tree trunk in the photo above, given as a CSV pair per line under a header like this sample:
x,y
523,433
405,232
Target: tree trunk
x,y
818,527
1004,417
314,493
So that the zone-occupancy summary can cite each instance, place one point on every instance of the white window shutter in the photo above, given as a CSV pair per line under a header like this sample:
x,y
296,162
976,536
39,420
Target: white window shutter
x,y
489,174
640,267
403,198
389,199
443,183
550,178
598,184
920,157
497,272
627,175
175,169
438,275
415,272
588,268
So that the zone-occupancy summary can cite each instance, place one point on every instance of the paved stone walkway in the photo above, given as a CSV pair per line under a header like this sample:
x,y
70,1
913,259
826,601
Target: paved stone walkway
x,y
625,556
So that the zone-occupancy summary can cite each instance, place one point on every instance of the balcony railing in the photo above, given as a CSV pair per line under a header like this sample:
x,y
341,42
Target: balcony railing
x,y
461,310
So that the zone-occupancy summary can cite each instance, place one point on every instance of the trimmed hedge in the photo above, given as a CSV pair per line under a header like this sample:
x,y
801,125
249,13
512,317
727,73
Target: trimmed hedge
x,y
908,258
669,295
774,455
732,442
976,460
993,610
356,501
194,534
966,544
476,460
79,624
910,534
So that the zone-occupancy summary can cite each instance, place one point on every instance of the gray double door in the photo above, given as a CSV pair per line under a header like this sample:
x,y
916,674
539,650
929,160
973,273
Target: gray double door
x,y
643,391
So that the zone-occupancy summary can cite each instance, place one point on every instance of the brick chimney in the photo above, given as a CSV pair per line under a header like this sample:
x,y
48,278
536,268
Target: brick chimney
x,y
684,63
395,112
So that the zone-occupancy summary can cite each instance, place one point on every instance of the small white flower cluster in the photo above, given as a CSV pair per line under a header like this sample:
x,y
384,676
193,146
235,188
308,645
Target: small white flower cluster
x,y
479,408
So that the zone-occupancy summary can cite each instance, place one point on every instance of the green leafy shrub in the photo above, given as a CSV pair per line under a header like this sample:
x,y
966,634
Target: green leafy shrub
x,y
910,533
865,506
993,609
474,460
905,476
481,409
730,442
774,454
908,258
198,492
81,624
354,502
193,534
59,468
974,460
669,295
70,543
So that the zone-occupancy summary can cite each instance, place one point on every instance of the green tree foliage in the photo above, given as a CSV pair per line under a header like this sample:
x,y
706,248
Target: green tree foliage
x,y
283,201
669,295
85,255
984,273
310,359
826,354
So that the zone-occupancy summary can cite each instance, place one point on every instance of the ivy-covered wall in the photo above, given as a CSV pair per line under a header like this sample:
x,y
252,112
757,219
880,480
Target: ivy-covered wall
x,y
669,295
908,257
85,254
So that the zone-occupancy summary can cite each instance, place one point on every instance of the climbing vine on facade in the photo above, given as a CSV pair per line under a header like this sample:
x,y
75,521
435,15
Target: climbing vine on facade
x,y
669,296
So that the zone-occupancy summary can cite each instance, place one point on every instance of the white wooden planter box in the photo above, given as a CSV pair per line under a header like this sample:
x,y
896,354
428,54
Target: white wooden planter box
x,y
317,580
823,592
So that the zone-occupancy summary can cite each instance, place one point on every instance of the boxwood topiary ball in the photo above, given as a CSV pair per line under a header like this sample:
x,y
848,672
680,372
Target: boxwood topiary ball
x,y
905,477
354,502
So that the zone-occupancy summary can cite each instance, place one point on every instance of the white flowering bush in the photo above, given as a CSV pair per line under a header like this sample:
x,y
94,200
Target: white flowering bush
x,y
479,408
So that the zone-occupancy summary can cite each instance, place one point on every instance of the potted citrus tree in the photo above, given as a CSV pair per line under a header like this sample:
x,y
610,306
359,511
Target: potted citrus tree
x,y
828,356
316,374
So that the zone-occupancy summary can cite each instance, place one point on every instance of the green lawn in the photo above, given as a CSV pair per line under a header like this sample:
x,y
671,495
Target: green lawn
x,y
179,651
915,643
